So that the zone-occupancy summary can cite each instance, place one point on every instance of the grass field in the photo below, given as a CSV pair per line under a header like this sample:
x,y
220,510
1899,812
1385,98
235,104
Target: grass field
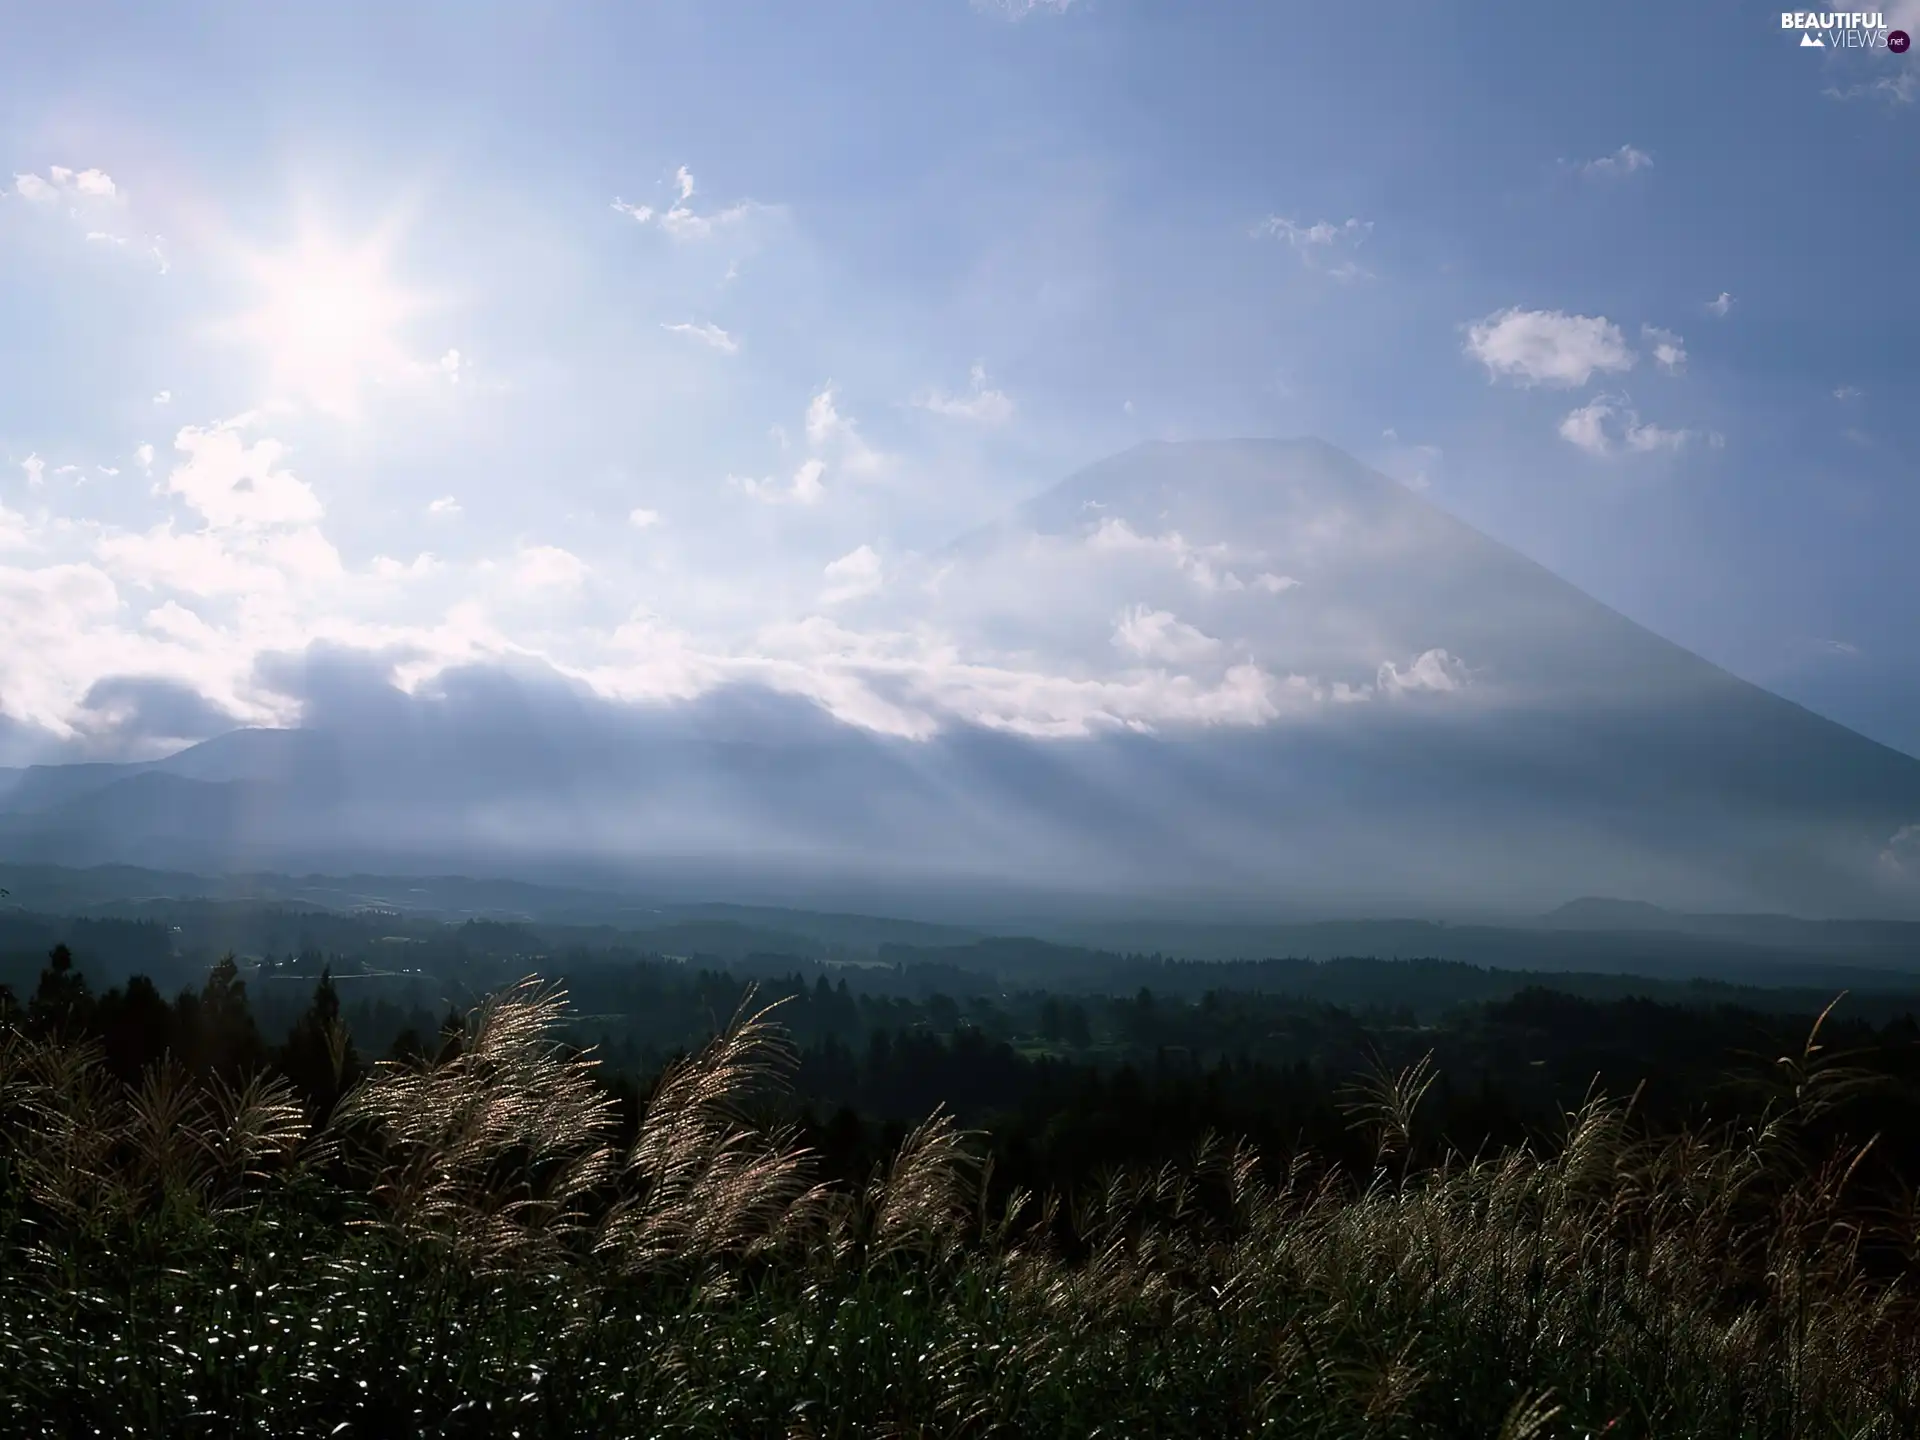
x,y
471,1246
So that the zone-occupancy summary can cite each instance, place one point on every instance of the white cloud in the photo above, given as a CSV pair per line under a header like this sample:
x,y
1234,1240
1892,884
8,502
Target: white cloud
x,y
806,482
1157,635
1414,466
981,403
1900,88
35,469
1669,350
1586,427
1547,347
833,439
90,184
548,567
15,533
827,428
1607,423
1623,161
232,483
853,575
824,422
165,397
144,454
642,519
805,488
211,563
1647,437
1275,584
1840,647
421,566
1322,245
1434,670
446,505
1720,305
1847,393
1115,536
679,219
709,334
1901,856
450,365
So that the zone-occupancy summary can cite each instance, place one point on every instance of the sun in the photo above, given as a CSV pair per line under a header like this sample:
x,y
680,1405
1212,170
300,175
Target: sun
x,y
328,320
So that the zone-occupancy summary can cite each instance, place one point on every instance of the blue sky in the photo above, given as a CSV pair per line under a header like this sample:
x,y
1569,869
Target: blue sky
x,y
622,337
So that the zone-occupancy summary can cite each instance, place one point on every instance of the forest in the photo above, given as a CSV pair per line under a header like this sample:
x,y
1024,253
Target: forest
x,y
454,1182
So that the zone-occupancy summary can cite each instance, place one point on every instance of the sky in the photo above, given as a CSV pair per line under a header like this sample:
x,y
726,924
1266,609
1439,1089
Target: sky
x,y
639,340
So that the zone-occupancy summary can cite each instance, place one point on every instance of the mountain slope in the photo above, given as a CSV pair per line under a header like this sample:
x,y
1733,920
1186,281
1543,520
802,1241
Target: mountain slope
x,y
1246,672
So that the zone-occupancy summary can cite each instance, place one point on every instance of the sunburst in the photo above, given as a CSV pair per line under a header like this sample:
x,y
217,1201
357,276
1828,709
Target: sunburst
x,y
328,319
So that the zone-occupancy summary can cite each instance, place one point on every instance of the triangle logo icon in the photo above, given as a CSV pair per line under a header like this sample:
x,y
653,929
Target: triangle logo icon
x,y
1809,42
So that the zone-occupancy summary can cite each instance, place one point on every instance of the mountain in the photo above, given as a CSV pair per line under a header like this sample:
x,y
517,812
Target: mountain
x,y
1250,677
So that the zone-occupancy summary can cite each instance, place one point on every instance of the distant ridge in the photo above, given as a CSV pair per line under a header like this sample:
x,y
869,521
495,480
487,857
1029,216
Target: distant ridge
x,y
1215,675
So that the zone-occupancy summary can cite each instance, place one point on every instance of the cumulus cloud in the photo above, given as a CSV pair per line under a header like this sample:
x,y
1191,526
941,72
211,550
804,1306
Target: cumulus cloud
x,y
232,483
853,575
1668,349
643,519
804,489
1323,245
707,333
1275,584
1586,427
1158,635
15,534
1720,305
829,431
35,469
92,184
1547,347
1433,670
212,563
446,507
834,442
548,568
1608,424
1198,562
419,568
981,404
909,684
1623,161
